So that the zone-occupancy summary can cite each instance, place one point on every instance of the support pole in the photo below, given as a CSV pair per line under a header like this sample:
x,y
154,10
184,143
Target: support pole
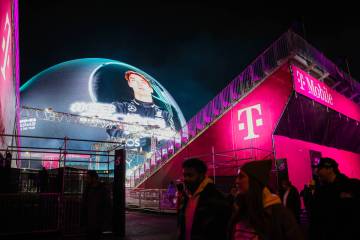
x,y
119,194
213,161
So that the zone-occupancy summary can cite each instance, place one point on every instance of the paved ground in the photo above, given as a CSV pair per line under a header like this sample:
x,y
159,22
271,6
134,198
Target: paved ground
x,y
139,226
145,226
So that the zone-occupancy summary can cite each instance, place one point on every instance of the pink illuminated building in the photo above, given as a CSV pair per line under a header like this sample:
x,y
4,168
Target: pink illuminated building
x,y
9,75
291,105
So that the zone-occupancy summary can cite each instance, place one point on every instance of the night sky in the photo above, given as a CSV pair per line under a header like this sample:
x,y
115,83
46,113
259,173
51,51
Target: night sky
x,y
194,50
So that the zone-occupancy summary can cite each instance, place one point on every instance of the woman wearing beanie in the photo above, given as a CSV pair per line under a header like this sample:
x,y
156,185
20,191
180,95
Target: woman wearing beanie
x,y
259,214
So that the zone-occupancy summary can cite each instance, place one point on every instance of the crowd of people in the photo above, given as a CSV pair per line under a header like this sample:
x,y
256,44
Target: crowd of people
x,y
252,211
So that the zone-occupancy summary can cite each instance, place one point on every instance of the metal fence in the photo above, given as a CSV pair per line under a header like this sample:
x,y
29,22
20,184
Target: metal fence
x,y
153,199
23,213
30,206
29,212
30,203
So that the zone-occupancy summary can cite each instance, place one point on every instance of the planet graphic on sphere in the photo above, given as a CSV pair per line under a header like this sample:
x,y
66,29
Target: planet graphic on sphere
x,y
96,87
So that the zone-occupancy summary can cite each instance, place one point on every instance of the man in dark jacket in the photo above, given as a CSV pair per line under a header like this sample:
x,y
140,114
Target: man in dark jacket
x,y
204,211
335,210
291,198
43,180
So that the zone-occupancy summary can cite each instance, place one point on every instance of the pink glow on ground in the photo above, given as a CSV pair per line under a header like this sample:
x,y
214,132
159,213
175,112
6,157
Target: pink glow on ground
x,y
298,159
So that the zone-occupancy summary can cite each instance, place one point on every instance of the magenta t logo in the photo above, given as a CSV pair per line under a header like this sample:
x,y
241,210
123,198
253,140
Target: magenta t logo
x,y
300,78
249,121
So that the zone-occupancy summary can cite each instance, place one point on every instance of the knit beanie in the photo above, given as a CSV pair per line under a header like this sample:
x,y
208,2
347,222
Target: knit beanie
x,y
258,170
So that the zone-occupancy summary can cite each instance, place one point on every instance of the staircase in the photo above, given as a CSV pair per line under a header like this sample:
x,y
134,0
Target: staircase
x,y
288,46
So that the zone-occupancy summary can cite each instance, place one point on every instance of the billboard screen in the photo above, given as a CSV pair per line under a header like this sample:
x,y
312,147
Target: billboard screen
x,y
107,100
7,72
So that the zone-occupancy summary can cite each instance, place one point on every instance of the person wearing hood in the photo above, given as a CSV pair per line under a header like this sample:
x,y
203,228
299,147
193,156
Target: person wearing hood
x,y
259,214
204,211
335,208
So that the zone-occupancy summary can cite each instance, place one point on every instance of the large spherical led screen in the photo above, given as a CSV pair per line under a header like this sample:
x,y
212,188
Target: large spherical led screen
x,y
137,106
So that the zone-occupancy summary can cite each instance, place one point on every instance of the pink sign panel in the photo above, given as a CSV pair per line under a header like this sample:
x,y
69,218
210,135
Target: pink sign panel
x,y
7,80
311,87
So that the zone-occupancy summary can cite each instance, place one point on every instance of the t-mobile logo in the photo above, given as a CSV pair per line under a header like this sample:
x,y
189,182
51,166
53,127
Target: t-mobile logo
x,y
249,121
300,78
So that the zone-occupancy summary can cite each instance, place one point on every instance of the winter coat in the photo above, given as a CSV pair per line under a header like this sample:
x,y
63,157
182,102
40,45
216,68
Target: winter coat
x,y
211,215
293,203
279,223
335,210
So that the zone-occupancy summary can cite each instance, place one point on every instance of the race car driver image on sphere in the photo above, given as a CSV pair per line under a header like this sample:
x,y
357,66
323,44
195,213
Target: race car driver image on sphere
x,y
142,105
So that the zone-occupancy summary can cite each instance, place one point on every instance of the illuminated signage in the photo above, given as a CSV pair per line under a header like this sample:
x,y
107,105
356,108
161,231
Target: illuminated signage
x,y
132,143
311,87
249,121
93,109
27,124
127,105
108,111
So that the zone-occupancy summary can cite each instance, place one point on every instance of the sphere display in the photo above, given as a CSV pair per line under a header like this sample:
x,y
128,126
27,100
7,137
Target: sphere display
x,y
138,107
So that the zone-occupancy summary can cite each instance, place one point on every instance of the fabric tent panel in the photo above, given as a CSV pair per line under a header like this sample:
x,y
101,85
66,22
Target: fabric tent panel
x,y
307,120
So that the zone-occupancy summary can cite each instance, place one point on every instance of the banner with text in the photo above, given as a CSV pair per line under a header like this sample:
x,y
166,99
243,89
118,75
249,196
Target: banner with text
x,y
311,87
